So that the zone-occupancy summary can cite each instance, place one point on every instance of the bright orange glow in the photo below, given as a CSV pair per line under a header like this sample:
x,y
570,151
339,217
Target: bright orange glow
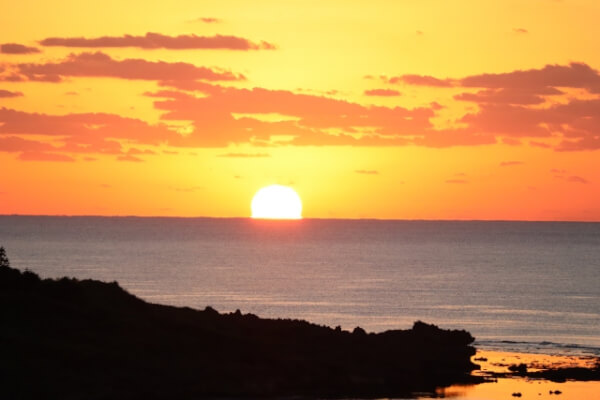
x,y
276,202
540,389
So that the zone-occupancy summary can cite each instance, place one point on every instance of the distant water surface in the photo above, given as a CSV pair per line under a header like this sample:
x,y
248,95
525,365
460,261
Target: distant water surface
x,y
515,285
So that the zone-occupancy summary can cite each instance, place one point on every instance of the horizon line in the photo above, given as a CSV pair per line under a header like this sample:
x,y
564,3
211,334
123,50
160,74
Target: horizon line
x,y
300,219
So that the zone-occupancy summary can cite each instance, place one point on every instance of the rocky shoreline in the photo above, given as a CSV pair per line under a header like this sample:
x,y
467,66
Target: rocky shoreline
x,y
68,339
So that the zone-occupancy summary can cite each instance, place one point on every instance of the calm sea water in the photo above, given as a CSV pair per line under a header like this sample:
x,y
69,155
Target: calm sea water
x,y
514,285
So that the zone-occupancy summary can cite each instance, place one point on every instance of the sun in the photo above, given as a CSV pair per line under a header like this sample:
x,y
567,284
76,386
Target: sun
x,y
276,202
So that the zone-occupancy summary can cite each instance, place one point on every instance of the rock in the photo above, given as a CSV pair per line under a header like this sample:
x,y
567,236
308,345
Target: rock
x,y
521,368
68,338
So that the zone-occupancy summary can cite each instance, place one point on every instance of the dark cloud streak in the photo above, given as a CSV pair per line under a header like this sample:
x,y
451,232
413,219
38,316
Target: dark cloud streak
x,y
152,41
15,48
102,65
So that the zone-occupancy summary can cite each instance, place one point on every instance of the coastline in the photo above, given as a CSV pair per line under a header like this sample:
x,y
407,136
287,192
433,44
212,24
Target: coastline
x,y
73,338
511,275
430,360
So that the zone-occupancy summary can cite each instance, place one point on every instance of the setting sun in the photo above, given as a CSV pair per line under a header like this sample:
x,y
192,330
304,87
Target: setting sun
x,y
276,202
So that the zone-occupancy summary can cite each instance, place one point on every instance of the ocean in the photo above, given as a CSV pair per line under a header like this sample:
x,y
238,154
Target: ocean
x,y
517,286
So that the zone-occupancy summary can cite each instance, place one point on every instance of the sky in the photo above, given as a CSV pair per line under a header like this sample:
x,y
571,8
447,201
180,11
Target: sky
x,y
412,109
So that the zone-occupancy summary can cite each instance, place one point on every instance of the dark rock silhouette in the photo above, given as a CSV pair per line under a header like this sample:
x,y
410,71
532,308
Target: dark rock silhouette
x,y
569,373
520,369
72,339
550,373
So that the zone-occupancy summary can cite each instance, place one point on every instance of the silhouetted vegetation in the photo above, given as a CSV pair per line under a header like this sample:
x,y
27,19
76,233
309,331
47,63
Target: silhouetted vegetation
x,y
3,258
71,339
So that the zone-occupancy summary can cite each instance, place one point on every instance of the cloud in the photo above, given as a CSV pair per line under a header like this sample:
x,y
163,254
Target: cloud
x,y
208,20
367,172
244,155
455,137
102,65
83,125
15,48
133,150
508,96
11,77
562,174
574,75
15,144
382,92
520,31
540,144
41,156
511,141
4,94
419,80
77,133
129,157
511,163
590,142
507,120
515,87
312,119
577,179
436,106
576,122
218,116
152,41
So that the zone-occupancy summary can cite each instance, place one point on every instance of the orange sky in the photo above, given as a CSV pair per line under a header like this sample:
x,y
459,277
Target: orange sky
x,y
410,109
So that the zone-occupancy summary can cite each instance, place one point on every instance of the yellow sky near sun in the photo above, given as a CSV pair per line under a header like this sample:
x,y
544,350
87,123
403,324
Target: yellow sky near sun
x,y
323,49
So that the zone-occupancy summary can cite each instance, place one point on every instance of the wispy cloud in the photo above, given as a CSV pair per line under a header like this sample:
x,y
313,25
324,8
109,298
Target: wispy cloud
x,y
129,157
511,163
5,94
577,179
382,92
152,41
42,156
418,80
102,65
208,20
16,48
